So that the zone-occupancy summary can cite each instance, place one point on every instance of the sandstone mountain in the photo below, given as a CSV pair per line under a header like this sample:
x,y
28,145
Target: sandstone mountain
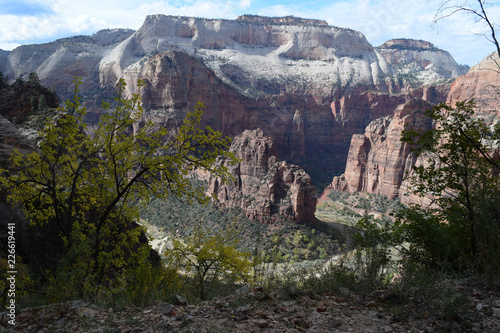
x,y
263,187
378,160
307,85
482,83
421,60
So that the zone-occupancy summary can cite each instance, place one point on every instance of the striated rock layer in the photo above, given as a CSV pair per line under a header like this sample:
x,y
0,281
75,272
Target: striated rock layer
x,y
421,60
377,159
482,83
264,187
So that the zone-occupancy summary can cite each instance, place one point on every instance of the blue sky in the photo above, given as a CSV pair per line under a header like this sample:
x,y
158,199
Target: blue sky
x,y
37,21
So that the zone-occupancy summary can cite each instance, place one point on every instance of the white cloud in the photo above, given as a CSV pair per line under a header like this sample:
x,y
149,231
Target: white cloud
x,y
245,4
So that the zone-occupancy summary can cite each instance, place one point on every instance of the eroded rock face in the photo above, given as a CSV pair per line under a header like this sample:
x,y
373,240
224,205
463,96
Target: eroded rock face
x,y
420,59
377,159
264,187
58,62
10,139
482,83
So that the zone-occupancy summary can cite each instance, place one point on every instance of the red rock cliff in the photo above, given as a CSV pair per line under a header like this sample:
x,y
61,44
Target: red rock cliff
x,y
378,159
482,83
264,187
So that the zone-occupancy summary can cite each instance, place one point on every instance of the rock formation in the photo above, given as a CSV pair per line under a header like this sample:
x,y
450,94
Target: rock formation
x,y
10,139
58,62
264,187
482,83
378,159
421,60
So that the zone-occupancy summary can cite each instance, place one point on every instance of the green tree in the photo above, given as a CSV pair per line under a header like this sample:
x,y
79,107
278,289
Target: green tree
x,y
42,103
459,173
34,79
4,81
210,256
83,191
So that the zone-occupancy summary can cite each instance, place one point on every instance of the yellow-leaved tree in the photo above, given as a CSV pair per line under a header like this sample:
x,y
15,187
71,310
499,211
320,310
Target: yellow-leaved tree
x,y
210,256
81,192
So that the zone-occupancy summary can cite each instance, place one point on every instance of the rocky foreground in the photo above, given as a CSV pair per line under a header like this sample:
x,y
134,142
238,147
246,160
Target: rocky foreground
x,y
257,311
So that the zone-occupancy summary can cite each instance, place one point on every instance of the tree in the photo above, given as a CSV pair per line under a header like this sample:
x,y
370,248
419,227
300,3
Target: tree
x,y
475,8
210,256
4,81
33,79
459,171
84,191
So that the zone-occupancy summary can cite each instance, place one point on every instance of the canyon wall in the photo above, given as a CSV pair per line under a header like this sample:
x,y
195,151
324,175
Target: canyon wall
x,y
377,160
482,83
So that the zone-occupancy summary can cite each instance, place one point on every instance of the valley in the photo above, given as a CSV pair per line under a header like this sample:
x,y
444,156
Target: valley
x,y
269,154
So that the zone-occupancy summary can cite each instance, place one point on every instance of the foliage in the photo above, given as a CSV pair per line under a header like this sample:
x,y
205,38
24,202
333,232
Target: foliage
x,y
210,256
27,102
4,81
86,189
423,292
373,256
274,242
459,174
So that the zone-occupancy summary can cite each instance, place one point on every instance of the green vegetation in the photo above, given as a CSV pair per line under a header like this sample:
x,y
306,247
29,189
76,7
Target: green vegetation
x,y
27,103
282,241
460,174
211,257
81,194
347,208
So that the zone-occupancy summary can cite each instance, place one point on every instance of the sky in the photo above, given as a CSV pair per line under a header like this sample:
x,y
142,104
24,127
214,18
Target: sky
x,y
39,21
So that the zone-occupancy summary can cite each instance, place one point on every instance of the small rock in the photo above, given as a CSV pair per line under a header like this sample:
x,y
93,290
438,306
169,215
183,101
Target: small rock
x,y
86,312
262,323
244,308
179,300
258,289
321,308
387,329
3,319
22,317
496,312
334,323
147,311
165,308
429,329
240,316
243,290
479,306
261,314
